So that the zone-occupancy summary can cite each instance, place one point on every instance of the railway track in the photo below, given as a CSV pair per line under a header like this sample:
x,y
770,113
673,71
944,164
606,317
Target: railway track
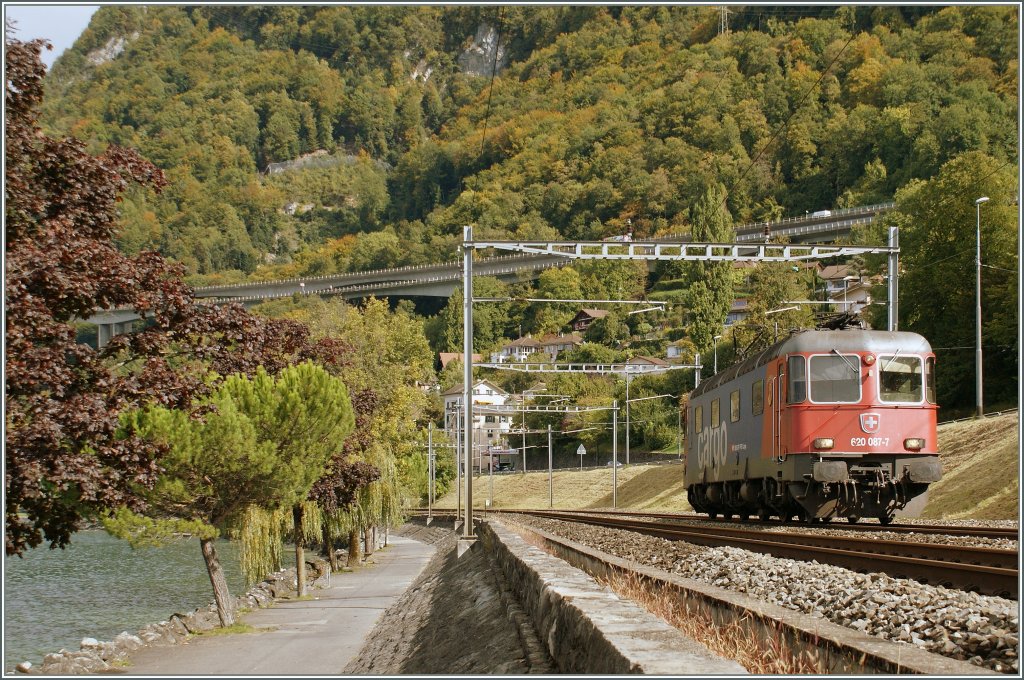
x,y
985,570
979,531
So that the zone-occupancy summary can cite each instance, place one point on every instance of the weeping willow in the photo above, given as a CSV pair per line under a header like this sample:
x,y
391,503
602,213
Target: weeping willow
x,y
380,502
312,523
260,533
340,522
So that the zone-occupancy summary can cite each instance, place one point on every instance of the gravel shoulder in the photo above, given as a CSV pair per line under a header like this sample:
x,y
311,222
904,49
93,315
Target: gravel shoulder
x,y
962,625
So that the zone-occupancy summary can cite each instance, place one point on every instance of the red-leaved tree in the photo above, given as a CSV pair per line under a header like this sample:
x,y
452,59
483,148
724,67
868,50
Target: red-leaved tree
x,y
65,460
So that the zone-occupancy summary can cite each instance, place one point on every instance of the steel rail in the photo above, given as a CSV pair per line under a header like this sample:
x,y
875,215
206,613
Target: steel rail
x,y
936,529
926,562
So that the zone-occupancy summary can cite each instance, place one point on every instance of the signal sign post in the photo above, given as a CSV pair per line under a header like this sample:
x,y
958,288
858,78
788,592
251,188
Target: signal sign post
x,y
581,451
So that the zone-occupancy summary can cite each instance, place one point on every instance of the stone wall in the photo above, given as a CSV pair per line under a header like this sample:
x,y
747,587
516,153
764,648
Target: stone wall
x,y
585,626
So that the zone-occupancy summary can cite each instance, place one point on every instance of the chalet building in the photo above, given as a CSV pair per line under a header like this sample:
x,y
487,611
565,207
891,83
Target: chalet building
x,y
641,360
489,430
845,286
675,350
517,350
553,345
585,317
738,311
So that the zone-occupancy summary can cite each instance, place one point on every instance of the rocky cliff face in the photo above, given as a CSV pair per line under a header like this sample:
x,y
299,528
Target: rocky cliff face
x,y
111,50
479,58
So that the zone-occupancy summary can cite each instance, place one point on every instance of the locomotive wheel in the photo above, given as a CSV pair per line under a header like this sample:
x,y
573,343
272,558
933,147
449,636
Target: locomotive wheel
x,y
853,519
885,519
764,514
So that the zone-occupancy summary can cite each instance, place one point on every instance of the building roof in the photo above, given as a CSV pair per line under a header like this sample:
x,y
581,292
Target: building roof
x,y
524,342
536,387
561,339
739,305
448,357
655,361
834,272
457,389
592,313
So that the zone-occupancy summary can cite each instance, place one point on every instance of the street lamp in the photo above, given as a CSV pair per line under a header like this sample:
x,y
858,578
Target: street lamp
x,y
846,280
977,352
715,340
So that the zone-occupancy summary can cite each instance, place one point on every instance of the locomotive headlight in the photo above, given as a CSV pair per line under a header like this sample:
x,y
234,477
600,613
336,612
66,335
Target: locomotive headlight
x,y
824,443
869,359
913,443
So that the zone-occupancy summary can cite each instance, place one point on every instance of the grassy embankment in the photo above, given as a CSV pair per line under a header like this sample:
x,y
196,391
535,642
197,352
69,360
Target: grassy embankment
x,y
980,479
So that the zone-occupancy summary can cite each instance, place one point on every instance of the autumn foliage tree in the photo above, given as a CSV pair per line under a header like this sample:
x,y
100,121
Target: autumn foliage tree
x,y
64,460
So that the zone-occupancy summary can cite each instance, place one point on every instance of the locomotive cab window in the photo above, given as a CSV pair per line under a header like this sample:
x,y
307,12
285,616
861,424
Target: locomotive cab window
x,y
929,379
757,397
900,379
835,378
797,392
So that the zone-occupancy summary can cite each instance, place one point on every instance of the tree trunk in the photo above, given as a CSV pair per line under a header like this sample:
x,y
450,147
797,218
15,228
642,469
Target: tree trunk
x,y
225,609
353,547
368,541
332,558
300,553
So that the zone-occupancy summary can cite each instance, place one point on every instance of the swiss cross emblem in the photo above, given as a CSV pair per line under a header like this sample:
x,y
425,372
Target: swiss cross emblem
x,y
869,422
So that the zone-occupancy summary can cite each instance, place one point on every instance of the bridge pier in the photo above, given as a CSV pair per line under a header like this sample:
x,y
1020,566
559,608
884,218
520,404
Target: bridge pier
x,y
105,332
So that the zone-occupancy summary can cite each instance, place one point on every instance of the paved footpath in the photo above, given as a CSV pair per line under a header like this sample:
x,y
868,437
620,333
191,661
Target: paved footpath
x,y
310,637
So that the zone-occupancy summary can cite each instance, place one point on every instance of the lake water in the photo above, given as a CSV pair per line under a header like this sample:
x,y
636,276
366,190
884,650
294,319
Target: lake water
x,y
98,587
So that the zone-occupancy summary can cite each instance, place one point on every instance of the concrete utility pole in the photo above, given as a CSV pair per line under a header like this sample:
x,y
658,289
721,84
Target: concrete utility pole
x,y
550,485
458,464
430,472
893,270
615,452
468,537
977,352
628,376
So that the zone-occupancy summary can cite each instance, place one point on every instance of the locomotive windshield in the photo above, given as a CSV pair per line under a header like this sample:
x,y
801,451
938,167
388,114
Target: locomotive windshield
x,y
900,378
835,379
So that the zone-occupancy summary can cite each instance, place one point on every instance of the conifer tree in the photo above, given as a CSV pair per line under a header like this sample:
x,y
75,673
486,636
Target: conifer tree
x,y
710,283
262,442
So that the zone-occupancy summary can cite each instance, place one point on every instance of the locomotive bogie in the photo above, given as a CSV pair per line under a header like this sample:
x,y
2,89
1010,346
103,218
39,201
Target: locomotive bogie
x,y
824,424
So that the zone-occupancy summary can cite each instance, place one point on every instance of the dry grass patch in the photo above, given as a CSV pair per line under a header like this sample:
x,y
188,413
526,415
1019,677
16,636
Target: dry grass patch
x,y
980,478
740,640
656,487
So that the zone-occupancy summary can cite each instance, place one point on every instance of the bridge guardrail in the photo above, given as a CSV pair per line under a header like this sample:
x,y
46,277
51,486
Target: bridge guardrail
x,y
754,226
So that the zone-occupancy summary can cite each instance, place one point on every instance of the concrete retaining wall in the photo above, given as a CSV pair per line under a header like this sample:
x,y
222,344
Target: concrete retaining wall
x,y
586,627
840,649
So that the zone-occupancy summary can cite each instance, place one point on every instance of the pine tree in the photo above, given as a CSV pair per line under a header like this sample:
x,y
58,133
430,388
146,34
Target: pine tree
x,y
262,442
710,291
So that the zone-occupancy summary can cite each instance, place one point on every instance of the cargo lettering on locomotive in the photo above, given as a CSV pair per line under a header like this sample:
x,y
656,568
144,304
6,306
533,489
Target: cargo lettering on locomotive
x,y
712,448
826,423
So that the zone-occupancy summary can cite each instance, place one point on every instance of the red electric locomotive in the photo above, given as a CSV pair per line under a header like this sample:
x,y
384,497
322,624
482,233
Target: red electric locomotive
x,y
826,423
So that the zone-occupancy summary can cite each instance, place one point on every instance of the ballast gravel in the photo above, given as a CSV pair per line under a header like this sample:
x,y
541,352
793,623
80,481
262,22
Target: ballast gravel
x,y
963,625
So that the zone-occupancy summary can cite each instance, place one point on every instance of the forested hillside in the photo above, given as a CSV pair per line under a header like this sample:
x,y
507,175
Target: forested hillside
x,y
313,140
597,116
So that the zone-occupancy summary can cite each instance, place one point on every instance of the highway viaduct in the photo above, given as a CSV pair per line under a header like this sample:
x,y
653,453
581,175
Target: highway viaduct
x,y
440,280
